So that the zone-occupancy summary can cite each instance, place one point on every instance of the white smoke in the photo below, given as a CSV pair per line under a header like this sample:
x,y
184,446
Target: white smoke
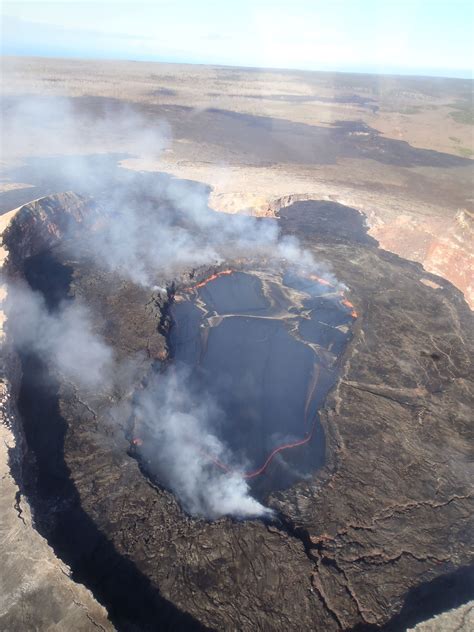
x,y
178,422
59,126
153,227
64,338
179,426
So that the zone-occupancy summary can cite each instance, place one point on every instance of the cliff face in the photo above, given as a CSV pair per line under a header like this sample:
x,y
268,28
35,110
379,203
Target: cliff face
x,y
379,539
41,224
36,589
444,246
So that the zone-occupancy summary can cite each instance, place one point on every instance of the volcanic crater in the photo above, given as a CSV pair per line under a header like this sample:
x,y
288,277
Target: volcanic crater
x,y
313,396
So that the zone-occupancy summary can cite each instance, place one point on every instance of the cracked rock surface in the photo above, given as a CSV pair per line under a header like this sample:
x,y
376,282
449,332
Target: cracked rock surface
x,y
380,538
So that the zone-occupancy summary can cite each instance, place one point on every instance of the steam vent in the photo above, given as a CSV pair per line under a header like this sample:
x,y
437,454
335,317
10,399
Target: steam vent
x,y
269,431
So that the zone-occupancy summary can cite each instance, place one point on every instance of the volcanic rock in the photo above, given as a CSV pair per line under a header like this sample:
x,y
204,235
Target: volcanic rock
x,y
379,538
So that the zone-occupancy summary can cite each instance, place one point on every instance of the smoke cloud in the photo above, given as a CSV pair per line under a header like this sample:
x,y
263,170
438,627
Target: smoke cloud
x,y
151,227
155,225
35,126
181,423
64,338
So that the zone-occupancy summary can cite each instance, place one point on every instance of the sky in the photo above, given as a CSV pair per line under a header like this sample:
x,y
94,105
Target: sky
x,y
432,37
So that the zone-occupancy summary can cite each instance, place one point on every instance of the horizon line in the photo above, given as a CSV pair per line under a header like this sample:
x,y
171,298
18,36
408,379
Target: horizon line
x,y
462,74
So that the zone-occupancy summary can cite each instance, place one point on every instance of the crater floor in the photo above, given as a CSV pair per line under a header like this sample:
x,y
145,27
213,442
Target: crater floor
x,y
266,346
348,551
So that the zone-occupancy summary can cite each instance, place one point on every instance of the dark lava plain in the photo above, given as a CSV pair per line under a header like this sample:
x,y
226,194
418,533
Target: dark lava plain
x,y
347,551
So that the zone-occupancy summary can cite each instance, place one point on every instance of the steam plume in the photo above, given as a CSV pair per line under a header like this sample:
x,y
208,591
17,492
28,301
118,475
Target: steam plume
x,y
64,338
153,228
181,422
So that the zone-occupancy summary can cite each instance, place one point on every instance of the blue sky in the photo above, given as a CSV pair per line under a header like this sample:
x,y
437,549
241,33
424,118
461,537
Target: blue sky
x,y
401,36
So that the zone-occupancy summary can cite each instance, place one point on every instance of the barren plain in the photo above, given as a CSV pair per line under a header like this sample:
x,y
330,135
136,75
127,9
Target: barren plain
x,y
396,148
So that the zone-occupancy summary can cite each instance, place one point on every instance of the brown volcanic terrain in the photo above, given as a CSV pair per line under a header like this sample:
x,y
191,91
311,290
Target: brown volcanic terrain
x,y
377,539
353,549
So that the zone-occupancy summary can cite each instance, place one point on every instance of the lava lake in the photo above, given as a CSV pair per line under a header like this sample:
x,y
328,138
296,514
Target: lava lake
x,y
265,346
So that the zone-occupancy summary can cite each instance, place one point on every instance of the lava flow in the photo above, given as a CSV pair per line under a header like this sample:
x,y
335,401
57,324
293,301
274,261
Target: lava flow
x,y
320,280
350,306
263,348
138,442
284,446
261,470
203,283
344,301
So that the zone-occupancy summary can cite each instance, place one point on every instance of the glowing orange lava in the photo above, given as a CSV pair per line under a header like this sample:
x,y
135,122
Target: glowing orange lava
x,y
285,446
350,305
213,277
320,280
261,470
345,302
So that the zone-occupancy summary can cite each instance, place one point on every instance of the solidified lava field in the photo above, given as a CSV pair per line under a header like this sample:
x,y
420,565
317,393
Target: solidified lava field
x,y
354,428
266,346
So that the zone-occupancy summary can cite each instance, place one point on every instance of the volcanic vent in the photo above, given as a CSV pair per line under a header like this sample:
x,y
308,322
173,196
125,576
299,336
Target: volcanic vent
x,y
264,344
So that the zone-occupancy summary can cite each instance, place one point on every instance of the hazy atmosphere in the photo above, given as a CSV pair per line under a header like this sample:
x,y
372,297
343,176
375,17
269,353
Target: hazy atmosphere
x,y
395,36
